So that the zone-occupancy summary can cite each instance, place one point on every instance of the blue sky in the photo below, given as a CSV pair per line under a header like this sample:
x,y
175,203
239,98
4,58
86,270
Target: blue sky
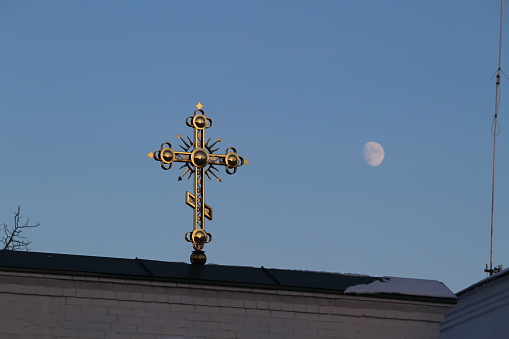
x,y
298,87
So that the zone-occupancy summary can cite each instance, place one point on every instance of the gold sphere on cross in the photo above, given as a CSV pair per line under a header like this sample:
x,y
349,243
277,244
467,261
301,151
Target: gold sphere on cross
x,y
232,160
199,157
167,155
200,121
199,236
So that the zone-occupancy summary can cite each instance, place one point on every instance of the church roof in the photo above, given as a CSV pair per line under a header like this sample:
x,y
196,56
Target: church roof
x,y
221,275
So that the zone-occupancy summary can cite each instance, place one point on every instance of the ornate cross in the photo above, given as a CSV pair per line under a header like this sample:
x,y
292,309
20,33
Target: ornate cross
x,y
198,158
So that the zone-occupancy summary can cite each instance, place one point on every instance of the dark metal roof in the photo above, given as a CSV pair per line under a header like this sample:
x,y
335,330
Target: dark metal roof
x,y
142,269
484,282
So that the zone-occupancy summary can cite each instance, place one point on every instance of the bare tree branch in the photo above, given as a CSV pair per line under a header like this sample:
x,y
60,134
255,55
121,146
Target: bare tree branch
x,y
12,239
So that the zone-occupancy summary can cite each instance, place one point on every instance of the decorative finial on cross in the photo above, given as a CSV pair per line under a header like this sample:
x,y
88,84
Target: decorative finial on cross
x,y
198,158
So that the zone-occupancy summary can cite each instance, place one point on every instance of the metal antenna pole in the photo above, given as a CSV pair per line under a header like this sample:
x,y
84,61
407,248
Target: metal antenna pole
x,y
495,132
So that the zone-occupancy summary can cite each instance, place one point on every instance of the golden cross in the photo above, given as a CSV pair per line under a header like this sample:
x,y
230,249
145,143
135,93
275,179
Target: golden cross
x,y
198,158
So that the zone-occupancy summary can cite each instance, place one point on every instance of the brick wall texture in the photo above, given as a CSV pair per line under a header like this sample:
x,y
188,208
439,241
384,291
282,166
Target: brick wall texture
x,y
42,306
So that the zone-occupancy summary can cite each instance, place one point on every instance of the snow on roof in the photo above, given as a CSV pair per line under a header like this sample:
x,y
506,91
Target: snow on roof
x,y
405,286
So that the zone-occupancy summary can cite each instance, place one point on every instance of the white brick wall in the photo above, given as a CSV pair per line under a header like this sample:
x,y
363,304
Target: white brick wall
x,y
481,312
54,306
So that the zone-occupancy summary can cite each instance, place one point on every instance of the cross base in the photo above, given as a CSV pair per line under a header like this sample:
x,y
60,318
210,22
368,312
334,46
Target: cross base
x,y
198,258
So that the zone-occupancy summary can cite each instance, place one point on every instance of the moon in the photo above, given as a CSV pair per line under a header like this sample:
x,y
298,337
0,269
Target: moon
x,y
373,153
